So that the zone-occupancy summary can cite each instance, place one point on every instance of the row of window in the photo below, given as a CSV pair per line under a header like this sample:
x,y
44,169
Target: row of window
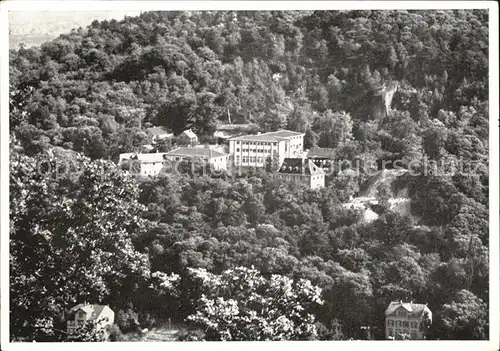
x,y
254,143
251,159
179,158
285,176
401,313
257,150
292,177
404,324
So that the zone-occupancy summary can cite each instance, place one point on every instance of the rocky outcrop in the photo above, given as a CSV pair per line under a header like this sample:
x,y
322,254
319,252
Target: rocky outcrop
x,y
368,196
383,100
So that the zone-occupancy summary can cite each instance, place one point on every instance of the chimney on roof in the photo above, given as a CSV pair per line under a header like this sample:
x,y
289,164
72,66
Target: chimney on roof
x,y
401,302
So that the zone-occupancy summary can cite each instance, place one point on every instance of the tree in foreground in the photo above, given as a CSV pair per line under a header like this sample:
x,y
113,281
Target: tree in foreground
x,y
241,304
465,318
92,331
70,240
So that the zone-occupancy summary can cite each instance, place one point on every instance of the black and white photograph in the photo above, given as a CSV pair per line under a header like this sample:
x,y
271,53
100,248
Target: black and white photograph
x,y
268,171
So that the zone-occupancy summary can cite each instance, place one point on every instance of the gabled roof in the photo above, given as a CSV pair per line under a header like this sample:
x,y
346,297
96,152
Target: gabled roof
x,y
189,133
84,307
414,309
321,152
93,311
158,131
96,312
194,152
299,166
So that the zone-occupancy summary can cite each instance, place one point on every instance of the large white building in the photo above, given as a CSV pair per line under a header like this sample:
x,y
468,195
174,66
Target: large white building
x,y
254,150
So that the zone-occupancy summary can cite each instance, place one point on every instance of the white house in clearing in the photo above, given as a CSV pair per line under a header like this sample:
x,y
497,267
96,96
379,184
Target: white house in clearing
x,y
79,315
406,318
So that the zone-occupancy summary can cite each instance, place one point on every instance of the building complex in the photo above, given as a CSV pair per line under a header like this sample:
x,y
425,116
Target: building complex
x,y
256,149
153,163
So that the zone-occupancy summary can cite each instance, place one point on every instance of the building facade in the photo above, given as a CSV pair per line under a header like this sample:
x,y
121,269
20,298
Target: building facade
x,y
187,137
145,164
154,163
79,315
323,157
303,171
406,318
209,154
254,150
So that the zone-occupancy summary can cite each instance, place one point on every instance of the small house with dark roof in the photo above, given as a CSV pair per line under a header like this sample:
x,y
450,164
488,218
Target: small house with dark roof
x,y
187,137
158,133
303,171
102,315
322,157
406,318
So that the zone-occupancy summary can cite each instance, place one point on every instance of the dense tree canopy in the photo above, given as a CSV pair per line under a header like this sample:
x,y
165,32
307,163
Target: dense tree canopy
x,y
240,304
82,229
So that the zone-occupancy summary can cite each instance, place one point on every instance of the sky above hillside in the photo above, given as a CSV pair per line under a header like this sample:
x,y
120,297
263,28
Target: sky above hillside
x,y
34,28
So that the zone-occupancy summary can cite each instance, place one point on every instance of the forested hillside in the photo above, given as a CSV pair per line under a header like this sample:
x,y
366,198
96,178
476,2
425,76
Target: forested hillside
x,y
88,95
